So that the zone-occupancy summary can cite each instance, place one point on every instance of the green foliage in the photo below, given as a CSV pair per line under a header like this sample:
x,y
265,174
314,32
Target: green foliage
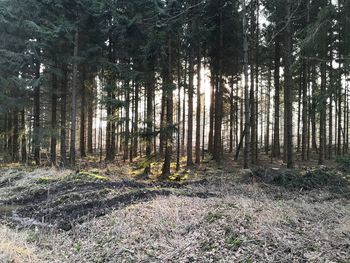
x,y
214,216
232,239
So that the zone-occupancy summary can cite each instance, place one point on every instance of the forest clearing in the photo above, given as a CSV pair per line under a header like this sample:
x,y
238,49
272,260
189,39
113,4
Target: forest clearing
x,y
226,215
174,131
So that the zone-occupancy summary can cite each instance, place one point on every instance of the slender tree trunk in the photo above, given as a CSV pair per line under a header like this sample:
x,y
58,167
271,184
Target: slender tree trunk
x,y
323,114
313,112
257,38
63,150
162,122
288,96
15,141
217,151
37,140
178,106
330,118
136,121
54,119
127,122
246,132
24,140
198,111
268,105
232,115
252,84
190,109
184,111
276,136
299,112
82,116
169,116
74,101
211,113
304,139
339,118
90,117
149,119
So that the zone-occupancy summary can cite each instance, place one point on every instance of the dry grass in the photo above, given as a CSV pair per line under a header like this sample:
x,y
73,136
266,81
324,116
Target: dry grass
x,y
245,222
244,225
15,249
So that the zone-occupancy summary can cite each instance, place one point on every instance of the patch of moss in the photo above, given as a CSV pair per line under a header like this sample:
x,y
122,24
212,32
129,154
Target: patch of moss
x,y
46,180
232,239
87,176
214,216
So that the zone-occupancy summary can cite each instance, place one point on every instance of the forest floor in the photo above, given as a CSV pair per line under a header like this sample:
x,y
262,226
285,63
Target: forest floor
x,y
217,214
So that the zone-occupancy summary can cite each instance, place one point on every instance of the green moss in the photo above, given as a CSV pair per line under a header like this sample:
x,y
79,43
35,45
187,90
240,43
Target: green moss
x,y
87,176
232,239
45,180
214,216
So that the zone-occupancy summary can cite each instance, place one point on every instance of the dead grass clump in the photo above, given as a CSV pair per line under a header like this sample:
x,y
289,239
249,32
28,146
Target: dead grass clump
x,y
15,249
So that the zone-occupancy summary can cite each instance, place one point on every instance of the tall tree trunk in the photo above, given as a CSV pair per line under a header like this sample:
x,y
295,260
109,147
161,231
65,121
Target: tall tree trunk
x,y
136,121
276,136
268,105
162,122
246,132
178,66
304,139
288,96
211,111
313,111
90,117
127,122
198,111
299,111
323,114
24,140
74,102
184,111
330,92
169,115
252,84
54,119
190,109
149,119
217,151
63,108
232,115
82,116
257,37
36,131
15,142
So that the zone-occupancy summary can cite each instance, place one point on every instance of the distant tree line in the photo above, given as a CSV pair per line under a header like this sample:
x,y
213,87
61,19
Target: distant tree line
x,y
125,78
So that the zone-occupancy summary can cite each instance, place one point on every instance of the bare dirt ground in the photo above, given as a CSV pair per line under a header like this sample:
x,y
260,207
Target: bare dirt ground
x,y
217,215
